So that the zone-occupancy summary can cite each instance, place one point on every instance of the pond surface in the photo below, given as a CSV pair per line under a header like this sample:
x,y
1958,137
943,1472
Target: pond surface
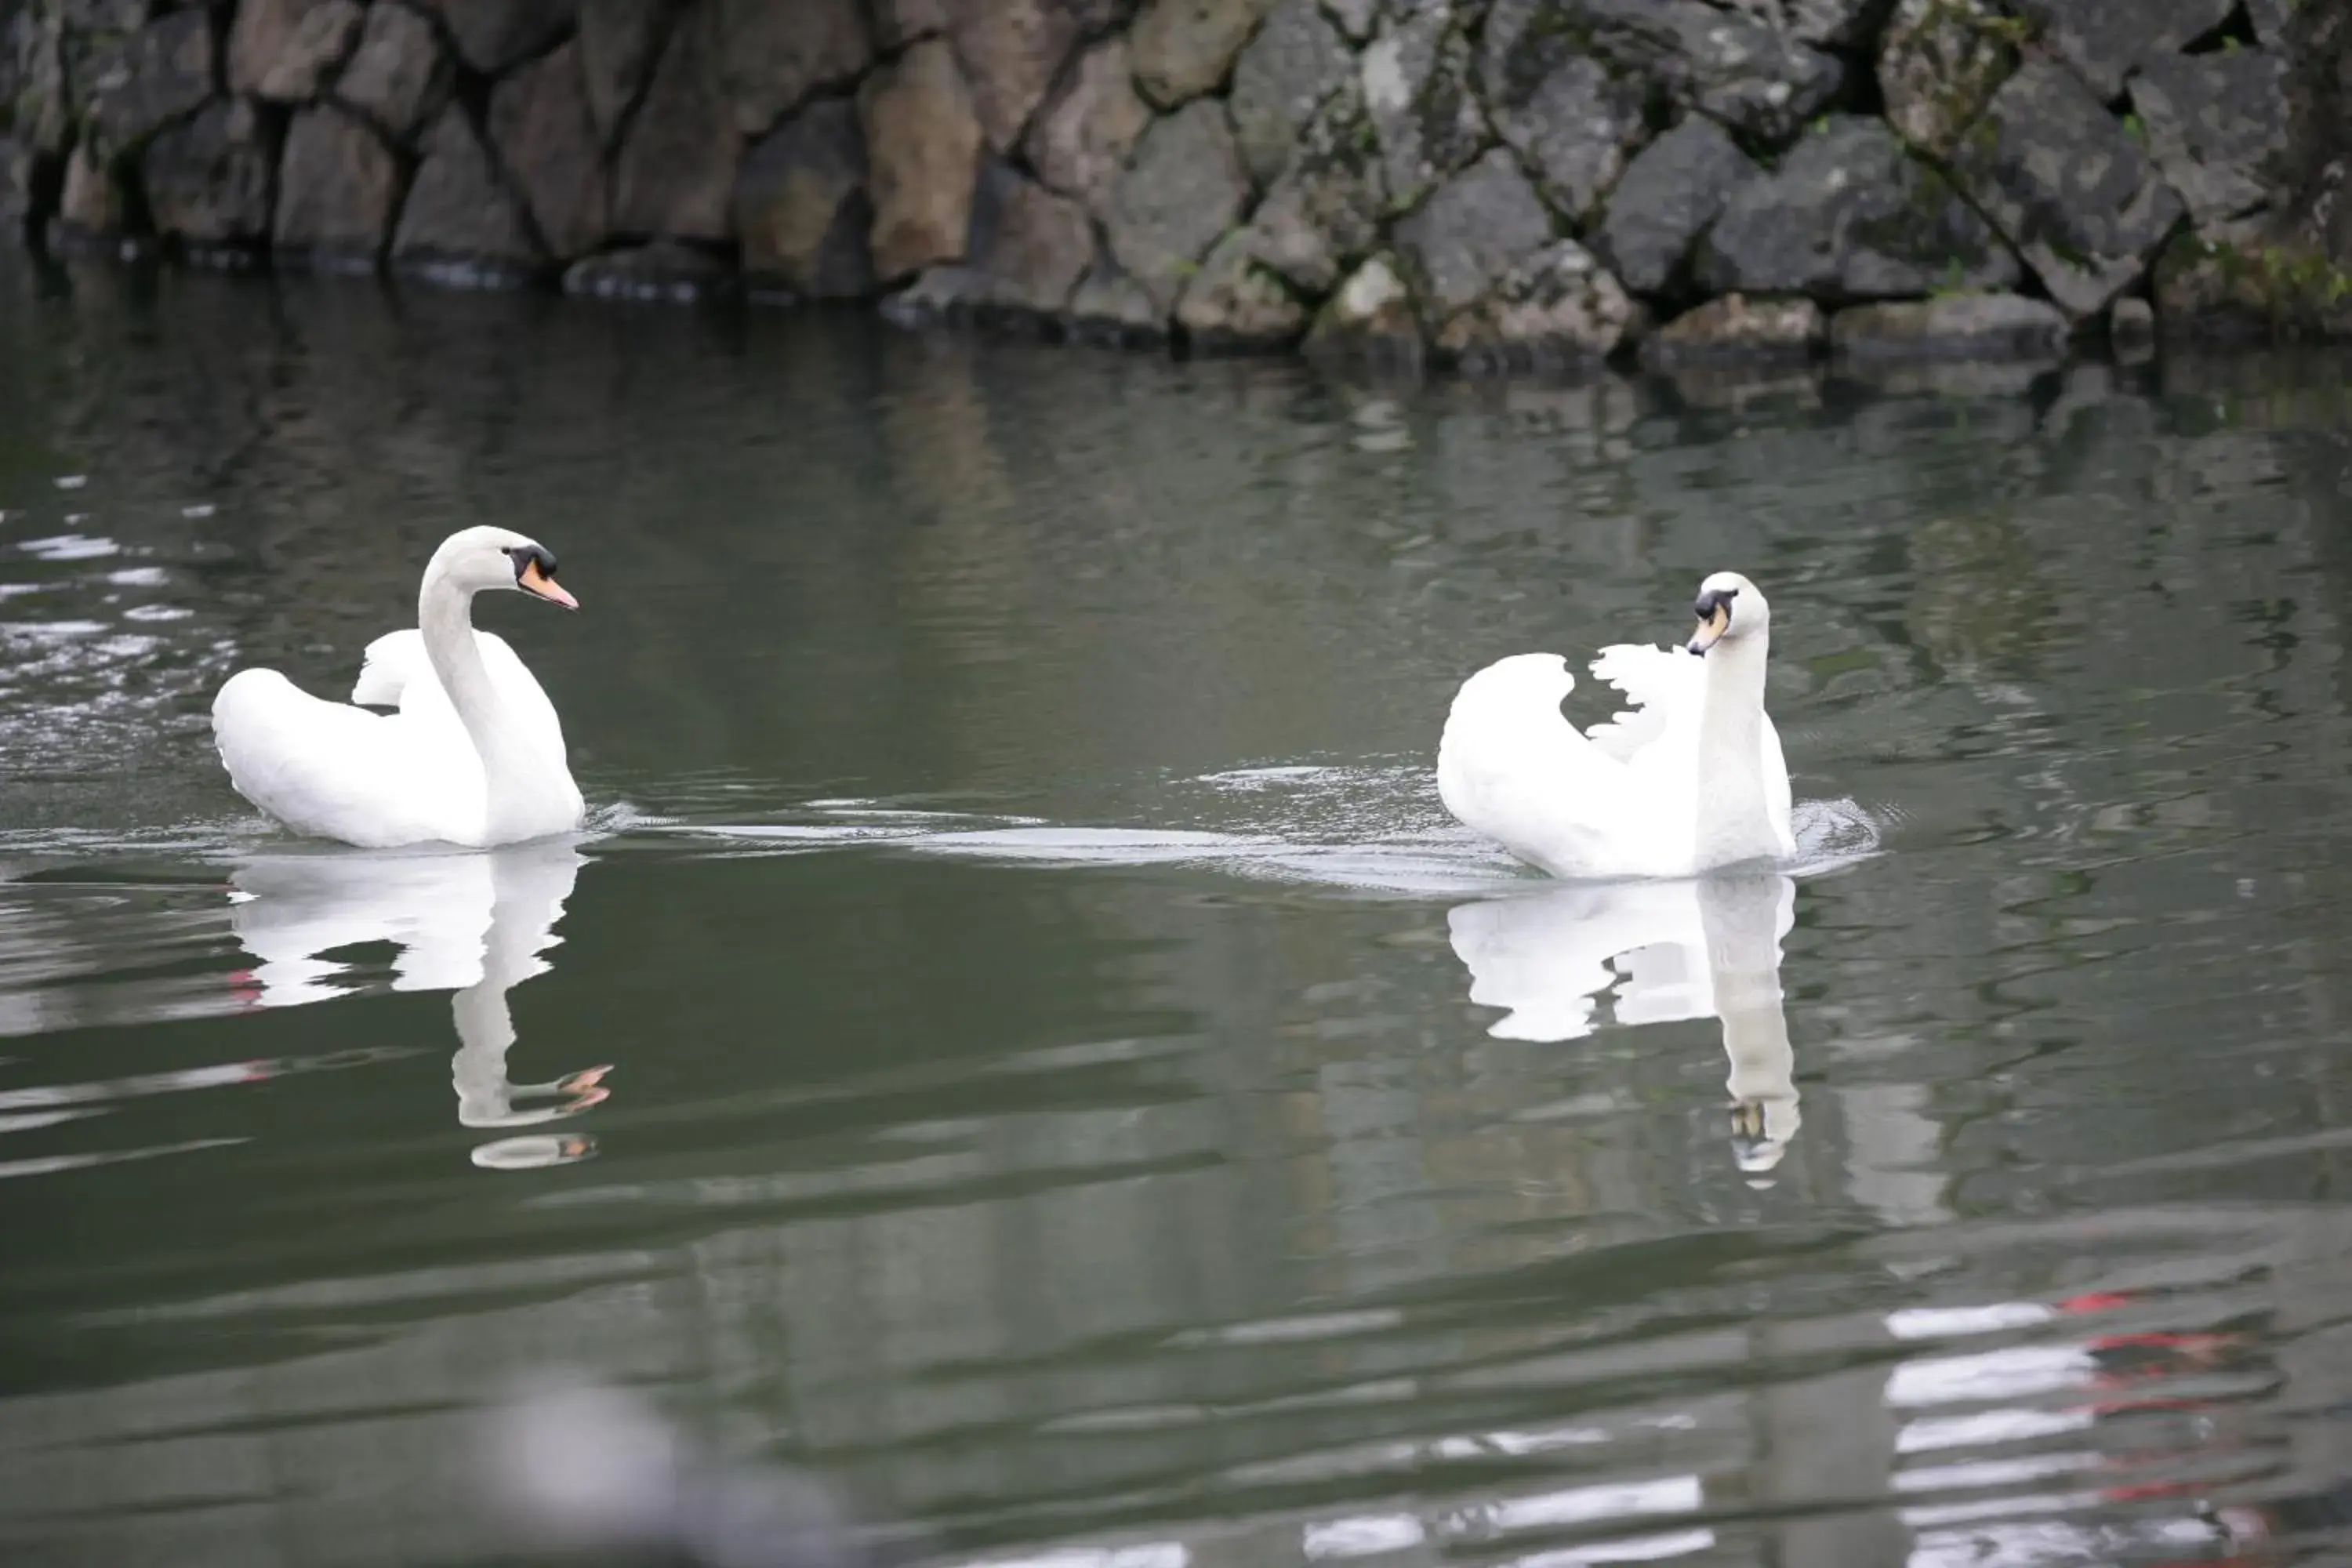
x,y
1023,1038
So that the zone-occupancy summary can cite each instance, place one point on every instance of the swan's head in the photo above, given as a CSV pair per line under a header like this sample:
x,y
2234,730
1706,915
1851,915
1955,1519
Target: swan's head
x,y
482,560
1728,606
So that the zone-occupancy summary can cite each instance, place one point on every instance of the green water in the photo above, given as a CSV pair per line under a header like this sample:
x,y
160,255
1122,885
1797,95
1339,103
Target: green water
x,y
1064,1077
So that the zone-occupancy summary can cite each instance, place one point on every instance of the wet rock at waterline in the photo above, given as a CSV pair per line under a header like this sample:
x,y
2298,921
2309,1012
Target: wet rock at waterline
x,y
1184,187
1554,310
208,178
546,141
922,146
800,205
1964,326
459,221
1735,329
337,190
1370,320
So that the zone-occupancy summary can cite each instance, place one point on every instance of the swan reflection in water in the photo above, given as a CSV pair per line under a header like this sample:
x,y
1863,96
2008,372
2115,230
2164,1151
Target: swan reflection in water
x,y
474,922
1694,949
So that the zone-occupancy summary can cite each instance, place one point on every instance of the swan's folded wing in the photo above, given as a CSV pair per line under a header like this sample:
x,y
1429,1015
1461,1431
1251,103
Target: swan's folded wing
x,y
390,664
1665,686
341,772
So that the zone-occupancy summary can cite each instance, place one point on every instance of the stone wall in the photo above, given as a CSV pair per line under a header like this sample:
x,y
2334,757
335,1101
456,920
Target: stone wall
x,y
1490,182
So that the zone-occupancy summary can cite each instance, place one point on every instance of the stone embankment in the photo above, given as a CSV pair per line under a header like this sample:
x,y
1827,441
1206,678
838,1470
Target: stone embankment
x,y
1492,183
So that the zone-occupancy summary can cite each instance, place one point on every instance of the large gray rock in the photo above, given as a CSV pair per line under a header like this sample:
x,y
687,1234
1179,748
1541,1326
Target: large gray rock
x,y
1080,142
800,205
161,72
1370,320
337,188
208,178
1850,216
1296,60
459,223
1554,310
399,76
1183,191
2071,190
1325,209
1232,303
1732,328
1671,191
676,173
1182,48
547,139
1940,64
494,35
1735,65
1010,52
1961,326
922,148
774,53
92,204
2103,40
319,43
1418,95
2217,127
1572,119
1107,305
619,42
1029,246
1467,235
263,35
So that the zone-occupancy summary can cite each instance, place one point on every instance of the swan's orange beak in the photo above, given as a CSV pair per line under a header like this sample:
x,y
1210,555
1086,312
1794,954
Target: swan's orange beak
x,y
1711,628
532,580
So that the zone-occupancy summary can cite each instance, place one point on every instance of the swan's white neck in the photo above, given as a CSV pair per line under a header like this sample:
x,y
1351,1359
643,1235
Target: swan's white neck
x,y
1733,822
445,613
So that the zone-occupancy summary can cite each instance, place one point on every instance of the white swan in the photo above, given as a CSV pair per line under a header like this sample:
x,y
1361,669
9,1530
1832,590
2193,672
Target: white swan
x,y
473,756
1701,947
1690,779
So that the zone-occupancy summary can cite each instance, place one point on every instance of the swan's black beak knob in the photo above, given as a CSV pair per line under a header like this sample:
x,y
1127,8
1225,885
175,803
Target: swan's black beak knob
x,y
535,575
1713,608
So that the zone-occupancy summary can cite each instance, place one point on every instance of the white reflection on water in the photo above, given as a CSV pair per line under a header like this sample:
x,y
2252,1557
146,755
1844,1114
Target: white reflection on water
x,y
1669,951
475,923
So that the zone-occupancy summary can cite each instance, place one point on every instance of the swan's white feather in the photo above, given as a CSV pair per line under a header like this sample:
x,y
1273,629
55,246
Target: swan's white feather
x,y
1621,799
376,780
417,775
1662,685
